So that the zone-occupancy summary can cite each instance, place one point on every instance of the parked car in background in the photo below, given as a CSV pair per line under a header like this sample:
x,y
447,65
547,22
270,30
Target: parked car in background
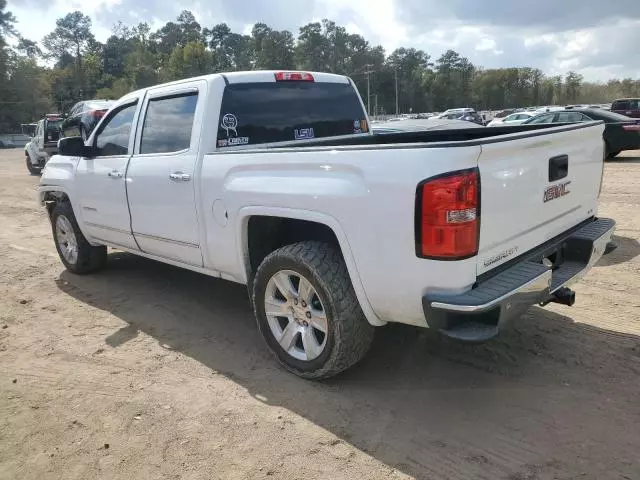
x,y
504,113
565,116
549,108
513,119
620,132
472,117
466,114
83,117
44,143
629,107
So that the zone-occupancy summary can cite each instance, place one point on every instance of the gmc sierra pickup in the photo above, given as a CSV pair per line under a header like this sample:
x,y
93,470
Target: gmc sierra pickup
x,y
274,180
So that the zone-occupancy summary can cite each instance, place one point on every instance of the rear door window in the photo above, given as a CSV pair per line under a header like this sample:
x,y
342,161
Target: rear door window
x,y
168,124
255,113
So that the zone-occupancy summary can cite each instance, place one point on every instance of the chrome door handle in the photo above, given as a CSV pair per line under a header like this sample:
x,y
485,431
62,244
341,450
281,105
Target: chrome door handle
x,y
179,177
115,174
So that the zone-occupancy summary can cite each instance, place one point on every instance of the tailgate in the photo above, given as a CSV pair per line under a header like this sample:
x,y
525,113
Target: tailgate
x,y
536,187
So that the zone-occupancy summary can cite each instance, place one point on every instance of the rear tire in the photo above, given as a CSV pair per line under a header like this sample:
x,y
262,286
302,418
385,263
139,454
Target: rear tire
x,y
348,334
77,255
609,153
33,170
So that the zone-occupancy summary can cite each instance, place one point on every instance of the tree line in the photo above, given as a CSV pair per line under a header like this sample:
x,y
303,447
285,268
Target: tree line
x,y
69,65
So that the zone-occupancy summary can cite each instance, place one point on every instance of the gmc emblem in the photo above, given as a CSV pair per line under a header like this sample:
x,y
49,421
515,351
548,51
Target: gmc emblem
x,y
556,191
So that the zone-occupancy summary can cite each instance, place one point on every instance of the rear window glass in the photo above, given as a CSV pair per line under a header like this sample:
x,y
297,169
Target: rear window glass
x,y
54,124
254,113
621,105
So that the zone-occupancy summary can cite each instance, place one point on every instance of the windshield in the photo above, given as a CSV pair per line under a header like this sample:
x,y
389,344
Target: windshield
x,y
254,113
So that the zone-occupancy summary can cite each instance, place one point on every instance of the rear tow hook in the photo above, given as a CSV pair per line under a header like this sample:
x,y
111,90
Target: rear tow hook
x,y
563,296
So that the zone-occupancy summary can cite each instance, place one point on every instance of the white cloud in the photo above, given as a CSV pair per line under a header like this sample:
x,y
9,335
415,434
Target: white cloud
x,y
598,39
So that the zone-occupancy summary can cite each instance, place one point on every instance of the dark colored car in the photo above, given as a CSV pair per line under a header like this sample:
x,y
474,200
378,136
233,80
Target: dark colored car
x,y
51,132
472,117
83,117
620,132
627,106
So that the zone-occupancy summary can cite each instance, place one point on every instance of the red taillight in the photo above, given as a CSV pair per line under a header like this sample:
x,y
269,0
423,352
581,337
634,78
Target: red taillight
x,y
631,128
97,113
448,216
294,77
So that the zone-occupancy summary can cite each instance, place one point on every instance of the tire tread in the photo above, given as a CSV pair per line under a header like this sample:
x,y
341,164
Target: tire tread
x,y
353,333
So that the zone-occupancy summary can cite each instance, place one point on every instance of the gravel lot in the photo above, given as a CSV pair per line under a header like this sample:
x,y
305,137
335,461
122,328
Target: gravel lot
x,y
145,371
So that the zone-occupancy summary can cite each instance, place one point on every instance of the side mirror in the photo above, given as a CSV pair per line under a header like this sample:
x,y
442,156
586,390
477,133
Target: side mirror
x,y
74,147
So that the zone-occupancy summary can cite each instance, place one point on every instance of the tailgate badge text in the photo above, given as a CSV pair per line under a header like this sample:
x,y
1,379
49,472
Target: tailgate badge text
x,y
556,191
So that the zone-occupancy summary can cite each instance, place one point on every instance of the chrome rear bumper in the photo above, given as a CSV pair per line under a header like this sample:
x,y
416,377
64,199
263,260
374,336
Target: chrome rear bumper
x,y
478,314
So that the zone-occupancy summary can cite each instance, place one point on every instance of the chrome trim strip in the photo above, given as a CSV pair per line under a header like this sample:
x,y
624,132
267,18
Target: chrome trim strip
x,y
166,240
104,227
538,284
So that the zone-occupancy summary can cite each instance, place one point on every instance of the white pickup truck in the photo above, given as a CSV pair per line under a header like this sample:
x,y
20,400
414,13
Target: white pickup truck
x,y
274,180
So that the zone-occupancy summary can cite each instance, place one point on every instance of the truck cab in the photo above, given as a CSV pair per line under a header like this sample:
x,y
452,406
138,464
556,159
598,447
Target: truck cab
x,y
44,142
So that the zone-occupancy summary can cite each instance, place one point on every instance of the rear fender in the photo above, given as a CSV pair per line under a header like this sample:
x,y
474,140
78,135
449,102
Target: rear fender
x,y
243,246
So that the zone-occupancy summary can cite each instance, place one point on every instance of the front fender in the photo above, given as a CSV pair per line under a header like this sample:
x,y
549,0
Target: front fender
x,y
242,246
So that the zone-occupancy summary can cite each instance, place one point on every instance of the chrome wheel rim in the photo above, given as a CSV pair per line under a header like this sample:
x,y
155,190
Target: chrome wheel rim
x,y
296,316
66,239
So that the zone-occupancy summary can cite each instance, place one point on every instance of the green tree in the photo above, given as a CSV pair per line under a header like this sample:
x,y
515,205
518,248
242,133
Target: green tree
x,y
70,38
273,49
189,61
573,83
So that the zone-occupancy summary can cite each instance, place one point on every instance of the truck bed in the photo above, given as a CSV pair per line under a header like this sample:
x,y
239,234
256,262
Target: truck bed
x,y
452,136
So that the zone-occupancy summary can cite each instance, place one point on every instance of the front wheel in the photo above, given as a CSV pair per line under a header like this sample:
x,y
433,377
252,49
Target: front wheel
x,y
33,170
307,310
78,255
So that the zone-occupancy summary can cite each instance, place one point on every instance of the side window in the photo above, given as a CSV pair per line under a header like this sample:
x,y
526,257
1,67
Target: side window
x,y
113,137
568,117
542,119
168,124
634,105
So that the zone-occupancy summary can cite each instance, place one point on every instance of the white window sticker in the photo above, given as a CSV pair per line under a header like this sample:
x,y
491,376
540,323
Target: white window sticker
x,y
233,141
230,124
303,133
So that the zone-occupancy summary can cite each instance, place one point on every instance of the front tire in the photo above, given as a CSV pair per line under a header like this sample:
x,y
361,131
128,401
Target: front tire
x,y
33,170
307,310
77,255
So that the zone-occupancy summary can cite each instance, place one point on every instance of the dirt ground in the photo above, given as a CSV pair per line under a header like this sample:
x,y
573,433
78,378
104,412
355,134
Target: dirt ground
x,y
145,371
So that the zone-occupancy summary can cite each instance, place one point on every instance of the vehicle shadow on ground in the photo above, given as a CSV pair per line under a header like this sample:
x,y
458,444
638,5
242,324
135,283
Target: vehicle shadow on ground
x,y
420,403
633,158
627,249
